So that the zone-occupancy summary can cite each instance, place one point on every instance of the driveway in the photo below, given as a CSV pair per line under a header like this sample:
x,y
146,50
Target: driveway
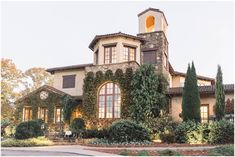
x,y
72,150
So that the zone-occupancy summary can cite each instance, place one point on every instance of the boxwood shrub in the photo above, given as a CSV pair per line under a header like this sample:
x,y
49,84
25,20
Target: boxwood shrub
x,y
95,133
221,132
29,129
127,131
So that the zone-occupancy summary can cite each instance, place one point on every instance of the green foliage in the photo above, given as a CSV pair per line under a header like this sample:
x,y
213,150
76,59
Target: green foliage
x,y
168,152
106,142
126,131
125,152
39,141
160,125
182,129
199,135
91,86
69,105
78,126
142,153
191,97
95,133
89,96
219,95
148,96
29,129
221,132
168,137
227,150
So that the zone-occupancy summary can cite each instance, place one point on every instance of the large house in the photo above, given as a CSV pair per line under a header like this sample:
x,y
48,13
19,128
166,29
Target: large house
x,y
111,52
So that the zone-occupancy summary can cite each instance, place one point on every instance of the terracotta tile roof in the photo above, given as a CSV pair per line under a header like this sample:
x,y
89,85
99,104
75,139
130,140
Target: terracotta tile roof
x,y
79,66
153,9
98,37
228,88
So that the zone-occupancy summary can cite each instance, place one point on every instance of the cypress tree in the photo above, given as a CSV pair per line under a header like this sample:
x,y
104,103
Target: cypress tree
x,y
219,95
191,96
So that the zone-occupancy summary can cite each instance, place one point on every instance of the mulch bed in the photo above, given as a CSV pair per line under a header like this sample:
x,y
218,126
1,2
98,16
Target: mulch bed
x,y
155,153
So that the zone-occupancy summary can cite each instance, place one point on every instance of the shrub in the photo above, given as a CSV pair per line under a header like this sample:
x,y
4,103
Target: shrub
x,y
125,152
142,153
39,141
168,137
199,135
182,129
168,152
95,133
222,151
29,129
126,131
221,132
160,125
78,126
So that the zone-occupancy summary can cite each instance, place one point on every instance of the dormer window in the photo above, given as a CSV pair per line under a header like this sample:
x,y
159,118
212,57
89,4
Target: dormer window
x,y
129,53
110,54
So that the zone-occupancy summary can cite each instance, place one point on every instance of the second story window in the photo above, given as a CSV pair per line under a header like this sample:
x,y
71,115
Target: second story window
x,y
96,57
149,57
129,53
69,81
110,55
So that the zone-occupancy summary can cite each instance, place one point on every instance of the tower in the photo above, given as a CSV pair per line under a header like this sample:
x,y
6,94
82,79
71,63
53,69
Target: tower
x,y
153,27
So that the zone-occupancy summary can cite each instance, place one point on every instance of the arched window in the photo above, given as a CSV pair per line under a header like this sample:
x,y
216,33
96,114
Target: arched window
x,y
150,22
109,101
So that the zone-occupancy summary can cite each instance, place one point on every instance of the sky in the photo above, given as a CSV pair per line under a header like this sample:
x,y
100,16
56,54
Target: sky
x,y
58,33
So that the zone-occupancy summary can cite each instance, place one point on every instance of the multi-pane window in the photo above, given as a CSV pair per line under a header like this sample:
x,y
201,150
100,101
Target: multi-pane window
x,y
27,113
109,101
204,113
69,81
110,54
43,114
58,114
129,53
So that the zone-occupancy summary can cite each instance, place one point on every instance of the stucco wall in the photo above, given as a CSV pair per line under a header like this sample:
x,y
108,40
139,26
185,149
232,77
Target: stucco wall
x,y
176,102
178,81
119,48
58,81
160,23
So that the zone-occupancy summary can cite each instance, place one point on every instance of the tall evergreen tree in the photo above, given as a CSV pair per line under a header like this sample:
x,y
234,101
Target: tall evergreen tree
x,y
191,96
219,95
147,100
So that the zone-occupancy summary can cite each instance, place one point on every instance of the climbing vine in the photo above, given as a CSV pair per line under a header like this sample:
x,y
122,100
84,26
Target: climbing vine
x,y
92,82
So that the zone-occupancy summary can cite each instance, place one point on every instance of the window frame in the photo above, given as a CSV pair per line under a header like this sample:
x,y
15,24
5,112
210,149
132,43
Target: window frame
x,y
60,116
128,53
110,52
29,115
45,114
105,95
66,84
203,119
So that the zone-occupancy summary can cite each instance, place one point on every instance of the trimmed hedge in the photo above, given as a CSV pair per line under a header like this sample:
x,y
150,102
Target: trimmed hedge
x,y
95,133
222,151
127,131
29,129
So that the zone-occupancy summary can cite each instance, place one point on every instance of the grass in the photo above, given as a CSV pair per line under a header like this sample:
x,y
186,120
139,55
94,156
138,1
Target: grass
x,y
142,153
39,141
125,152
227,150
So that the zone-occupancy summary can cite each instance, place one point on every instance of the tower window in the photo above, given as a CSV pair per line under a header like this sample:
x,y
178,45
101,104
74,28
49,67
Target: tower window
x,y
150,22
110,55
149,57
129,53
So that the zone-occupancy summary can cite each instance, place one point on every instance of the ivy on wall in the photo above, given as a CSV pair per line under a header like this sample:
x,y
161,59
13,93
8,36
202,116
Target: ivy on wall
x,y
92,83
